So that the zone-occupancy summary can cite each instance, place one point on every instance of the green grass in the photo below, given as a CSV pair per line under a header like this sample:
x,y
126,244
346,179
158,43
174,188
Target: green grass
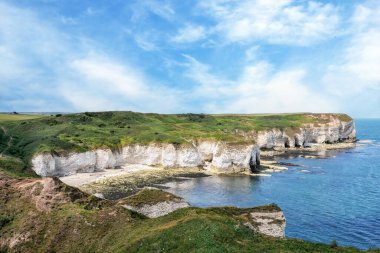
x,y
149,197
196,230
14,117
22,136
14,167
85,224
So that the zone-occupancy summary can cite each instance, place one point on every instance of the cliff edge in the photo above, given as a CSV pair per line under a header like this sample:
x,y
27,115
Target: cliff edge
x,y
87,142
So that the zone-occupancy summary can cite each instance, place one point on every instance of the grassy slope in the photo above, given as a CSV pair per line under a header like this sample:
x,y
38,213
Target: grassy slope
x,y
15,117
86,224
149,197
22,136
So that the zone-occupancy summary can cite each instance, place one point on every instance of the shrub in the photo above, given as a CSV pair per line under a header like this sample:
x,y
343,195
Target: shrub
x,y
89,114
4,220
334,244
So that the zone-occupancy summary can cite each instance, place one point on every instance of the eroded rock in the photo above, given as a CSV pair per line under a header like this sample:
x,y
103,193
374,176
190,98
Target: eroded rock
x,y
268,220
153,203
211,155
270,223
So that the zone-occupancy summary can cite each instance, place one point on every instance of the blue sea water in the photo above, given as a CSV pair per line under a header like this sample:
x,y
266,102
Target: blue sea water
x,y
339,199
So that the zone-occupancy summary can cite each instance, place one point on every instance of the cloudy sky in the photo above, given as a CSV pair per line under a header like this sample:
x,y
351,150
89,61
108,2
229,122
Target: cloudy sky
x,y
168,56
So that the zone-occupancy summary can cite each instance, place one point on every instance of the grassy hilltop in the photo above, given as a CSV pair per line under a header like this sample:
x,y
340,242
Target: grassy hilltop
x,y
22,136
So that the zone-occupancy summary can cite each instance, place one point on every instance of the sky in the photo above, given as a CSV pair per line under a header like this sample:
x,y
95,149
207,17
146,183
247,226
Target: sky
x,y
169,56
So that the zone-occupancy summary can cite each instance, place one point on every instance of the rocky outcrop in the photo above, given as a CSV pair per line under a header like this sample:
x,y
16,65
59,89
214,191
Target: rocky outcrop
x,y
333,131
211,155
267,220
159,209
153,202
270,223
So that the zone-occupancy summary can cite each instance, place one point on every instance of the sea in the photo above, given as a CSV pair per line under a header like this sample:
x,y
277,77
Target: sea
x,y
335,197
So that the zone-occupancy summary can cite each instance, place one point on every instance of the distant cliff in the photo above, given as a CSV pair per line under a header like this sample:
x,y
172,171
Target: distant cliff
x,y
212,154
332,131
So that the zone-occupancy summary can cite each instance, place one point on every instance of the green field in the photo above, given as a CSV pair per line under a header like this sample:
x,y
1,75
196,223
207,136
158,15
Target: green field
x,y
15,117
22,136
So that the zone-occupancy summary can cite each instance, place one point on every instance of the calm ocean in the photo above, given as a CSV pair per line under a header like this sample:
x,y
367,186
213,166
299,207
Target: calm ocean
x,y
338,199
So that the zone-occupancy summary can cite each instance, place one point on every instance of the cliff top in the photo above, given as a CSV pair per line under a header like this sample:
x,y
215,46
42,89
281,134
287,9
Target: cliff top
x,y
149,197
63,219
24,135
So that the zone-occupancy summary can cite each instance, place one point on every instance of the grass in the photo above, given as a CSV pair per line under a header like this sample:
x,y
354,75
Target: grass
x,y
85,224
15,167
149,197
22,136
15,117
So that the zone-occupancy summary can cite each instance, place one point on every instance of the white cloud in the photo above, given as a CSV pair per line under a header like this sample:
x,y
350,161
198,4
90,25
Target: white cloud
x,y
190,33
354,77
68,20
145,7
28,51
358,65
366,15
251,53
92,11
43,68
259,89
274,21
110,85
208,85
110,75
145,42
59,73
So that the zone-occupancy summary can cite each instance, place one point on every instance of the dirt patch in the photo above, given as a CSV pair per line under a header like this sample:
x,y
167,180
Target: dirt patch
x,y
44,193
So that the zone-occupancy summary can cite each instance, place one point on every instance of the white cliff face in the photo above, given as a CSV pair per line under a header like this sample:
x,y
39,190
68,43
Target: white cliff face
x,y
332,132
235,158
212,155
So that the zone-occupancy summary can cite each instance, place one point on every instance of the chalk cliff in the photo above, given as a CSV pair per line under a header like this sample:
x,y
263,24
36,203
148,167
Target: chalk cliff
x,y
212,155
331,132
218,155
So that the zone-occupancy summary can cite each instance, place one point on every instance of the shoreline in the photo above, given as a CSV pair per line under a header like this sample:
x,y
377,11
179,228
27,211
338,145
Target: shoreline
x,y
131,178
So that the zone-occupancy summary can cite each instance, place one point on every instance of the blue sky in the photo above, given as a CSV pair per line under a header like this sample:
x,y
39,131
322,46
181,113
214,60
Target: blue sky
x,y
215,56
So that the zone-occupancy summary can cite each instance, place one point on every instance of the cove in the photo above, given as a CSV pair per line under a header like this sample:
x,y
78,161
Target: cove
x,y
334,198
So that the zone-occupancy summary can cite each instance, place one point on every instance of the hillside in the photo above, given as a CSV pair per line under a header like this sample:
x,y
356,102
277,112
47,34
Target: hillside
x,y
44,215
22,136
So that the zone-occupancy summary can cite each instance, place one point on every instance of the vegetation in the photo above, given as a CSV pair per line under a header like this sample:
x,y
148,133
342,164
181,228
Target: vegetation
x,y
22,136
149,197
14,167
4,220
14,117
104,226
